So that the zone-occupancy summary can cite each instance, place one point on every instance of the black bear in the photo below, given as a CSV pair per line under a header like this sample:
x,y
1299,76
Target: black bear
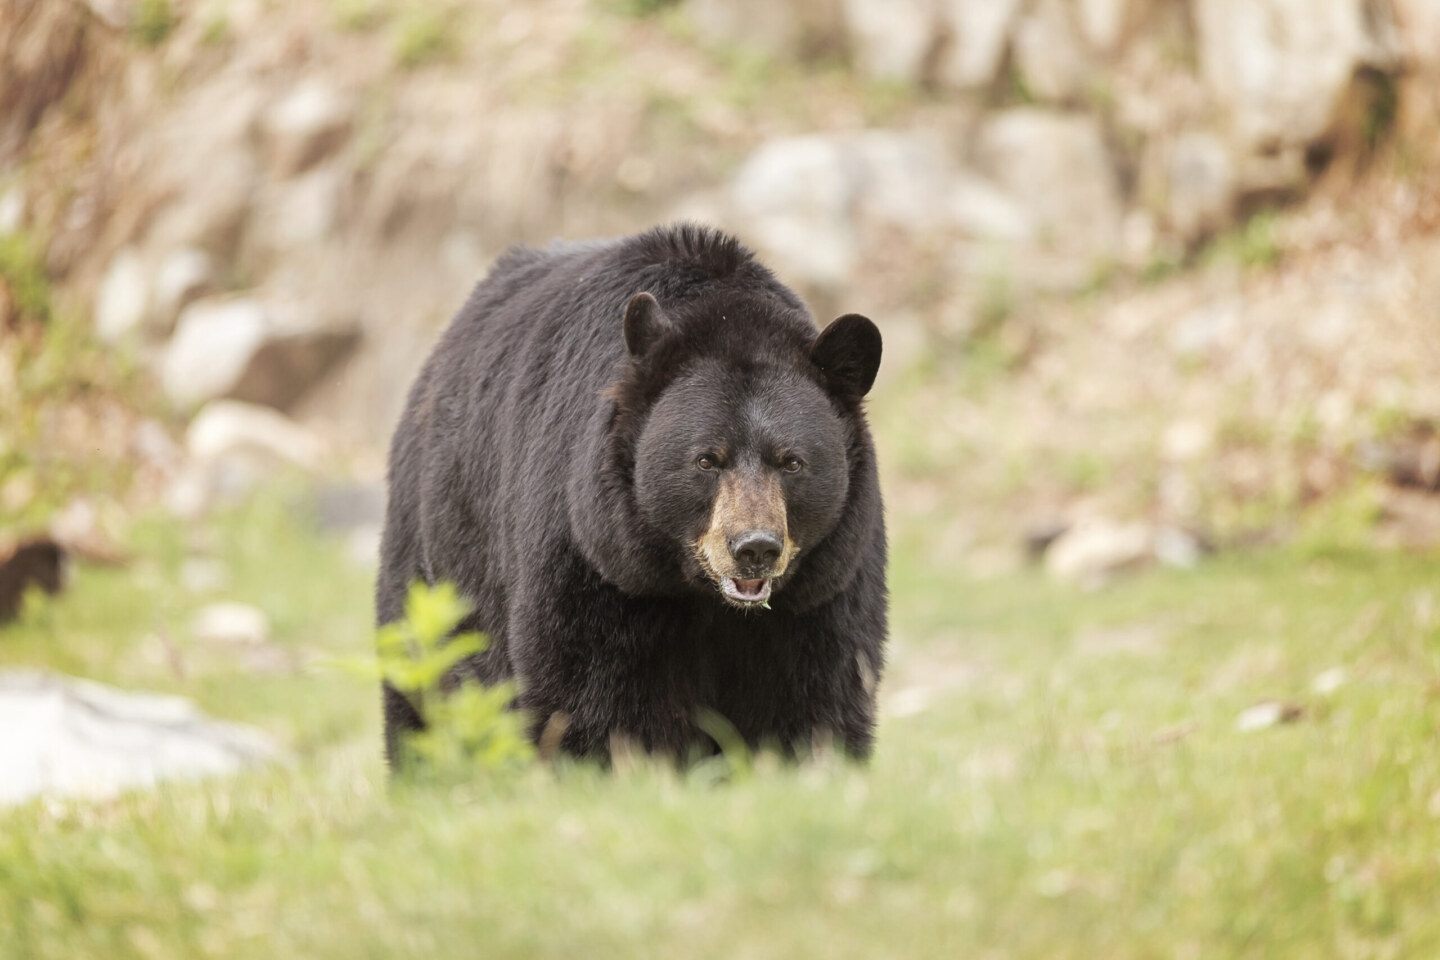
x,y
651,475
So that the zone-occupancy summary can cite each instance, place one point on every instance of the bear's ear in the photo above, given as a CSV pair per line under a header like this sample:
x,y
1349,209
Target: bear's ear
x,y
644,323
848,353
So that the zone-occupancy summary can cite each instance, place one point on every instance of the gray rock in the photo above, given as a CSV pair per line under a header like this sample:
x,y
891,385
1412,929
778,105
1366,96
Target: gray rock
x,y
249,350
1281,67
62,737
798,194
982,210
123,297
1058,170
977,34
808,200
891,39
305,126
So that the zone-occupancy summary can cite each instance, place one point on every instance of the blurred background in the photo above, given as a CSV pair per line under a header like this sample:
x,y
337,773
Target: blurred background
x,y
1166,262
1159,282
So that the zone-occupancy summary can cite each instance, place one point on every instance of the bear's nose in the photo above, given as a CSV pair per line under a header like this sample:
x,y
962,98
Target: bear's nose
x,y
756,550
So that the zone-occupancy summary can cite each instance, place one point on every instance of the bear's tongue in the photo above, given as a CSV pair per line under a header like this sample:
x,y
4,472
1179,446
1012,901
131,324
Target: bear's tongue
x,y
749,590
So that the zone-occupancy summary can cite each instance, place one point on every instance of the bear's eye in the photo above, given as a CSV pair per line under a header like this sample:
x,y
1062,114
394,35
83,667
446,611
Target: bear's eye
x,y
706,462
791,465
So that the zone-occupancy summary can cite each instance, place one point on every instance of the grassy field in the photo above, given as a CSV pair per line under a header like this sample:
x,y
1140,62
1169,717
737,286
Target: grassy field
x,y
1060,774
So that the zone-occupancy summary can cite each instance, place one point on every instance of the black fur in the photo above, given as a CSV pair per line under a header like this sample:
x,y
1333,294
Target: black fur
x,y
545,463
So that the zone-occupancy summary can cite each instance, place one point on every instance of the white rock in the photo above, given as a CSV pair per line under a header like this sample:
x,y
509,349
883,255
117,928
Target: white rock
x,y
1049,55
1280,67
12,209
305,126
978,33
184,276
229,428
1328,681
230,623
123,297
1095,550
1057,168
213,344
891,39
248,350
61,736
1264,715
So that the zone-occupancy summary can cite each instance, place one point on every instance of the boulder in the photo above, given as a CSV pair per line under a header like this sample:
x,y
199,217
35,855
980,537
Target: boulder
x,y
213,344
61,737
248,350
1280,68
891,39
1057,169
977,34
797,194
808,201
123,297
229,429
1095,550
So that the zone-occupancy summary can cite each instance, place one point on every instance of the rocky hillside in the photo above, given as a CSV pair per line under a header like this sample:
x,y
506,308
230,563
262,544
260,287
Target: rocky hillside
x,y
1156,260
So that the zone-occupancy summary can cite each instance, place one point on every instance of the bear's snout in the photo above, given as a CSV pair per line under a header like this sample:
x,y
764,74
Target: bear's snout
x,y
756,552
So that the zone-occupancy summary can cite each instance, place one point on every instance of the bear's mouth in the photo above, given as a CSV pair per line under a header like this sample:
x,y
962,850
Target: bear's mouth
x,y
745,592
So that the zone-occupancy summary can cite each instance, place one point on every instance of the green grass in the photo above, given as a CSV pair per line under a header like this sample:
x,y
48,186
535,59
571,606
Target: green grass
x,y
1074,786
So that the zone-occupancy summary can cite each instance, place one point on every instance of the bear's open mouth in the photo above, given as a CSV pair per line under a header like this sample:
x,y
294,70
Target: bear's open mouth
x,y
745,591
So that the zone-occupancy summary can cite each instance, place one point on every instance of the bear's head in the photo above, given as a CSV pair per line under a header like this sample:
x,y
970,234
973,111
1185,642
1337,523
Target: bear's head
x,y
743,457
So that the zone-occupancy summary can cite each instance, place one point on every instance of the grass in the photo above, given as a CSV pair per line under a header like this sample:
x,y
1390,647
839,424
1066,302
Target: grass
x,y
1066,779
425,33
151,21
61,394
